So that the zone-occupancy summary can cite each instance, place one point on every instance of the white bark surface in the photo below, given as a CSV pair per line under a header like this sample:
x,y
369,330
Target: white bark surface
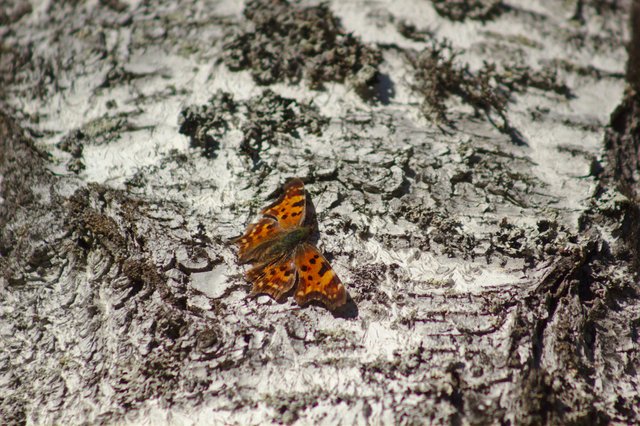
x,y
484,258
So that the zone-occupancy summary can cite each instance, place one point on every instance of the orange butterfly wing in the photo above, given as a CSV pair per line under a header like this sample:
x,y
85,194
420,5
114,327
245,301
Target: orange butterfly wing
x,y
257,233
316,279
275,278
289,210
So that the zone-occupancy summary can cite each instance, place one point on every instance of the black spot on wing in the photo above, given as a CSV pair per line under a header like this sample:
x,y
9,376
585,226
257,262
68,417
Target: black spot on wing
x,y
324,268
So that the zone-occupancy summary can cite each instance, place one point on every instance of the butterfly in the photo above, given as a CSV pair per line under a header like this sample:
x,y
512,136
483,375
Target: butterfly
x,y
277,246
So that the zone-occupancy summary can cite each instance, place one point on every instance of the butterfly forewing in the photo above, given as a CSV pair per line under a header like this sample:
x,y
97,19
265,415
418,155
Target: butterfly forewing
x,y
257,233
316,279
289,209
275,278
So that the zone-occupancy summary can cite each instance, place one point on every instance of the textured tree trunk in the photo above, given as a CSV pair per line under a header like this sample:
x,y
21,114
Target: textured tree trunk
x,y
473,167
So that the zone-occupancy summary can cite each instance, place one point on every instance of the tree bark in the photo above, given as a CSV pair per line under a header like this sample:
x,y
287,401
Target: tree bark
x,y
472,166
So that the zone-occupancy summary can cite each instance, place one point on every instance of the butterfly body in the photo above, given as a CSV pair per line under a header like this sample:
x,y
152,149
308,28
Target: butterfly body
x,y
282,244
277,246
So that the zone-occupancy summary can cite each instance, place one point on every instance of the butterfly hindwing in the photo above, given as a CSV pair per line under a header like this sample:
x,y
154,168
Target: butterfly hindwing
x,y
289,209
257,233
275,278
316,279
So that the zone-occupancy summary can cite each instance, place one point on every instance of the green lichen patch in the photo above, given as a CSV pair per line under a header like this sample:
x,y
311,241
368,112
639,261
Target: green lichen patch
x,y
284,42
264,120
440,74
461,10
